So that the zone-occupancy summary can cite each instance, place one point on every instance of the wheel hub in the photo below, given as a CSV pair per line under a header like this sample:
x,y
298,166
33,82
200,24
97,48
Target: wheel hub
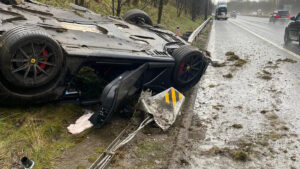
x,y
33,60
188,67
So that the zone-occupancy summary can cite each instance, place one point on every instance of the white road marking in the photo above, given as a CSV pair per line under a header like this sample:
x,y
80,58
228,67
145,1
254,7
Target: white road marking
x,y
270,42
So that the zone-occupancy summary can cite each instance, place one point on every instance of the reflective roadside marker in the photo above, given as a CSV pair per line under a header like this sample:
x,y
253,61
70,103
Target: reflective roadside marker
x,y
177,31
173,96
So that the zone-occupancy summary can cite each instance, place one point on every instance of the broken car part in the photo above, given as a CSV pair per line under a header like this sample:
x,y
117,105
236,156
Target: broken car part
x,y
27,163
162,108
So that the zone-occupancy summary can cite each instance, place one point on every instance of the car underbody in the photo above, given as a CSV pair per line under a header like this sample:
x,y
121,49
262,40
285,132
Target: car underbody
x,y
48,54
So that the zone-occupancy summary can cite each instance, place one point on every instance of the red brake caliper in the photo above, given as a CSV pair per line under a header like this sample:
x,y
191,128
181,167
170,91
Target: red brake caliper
x,y
44,53
181,67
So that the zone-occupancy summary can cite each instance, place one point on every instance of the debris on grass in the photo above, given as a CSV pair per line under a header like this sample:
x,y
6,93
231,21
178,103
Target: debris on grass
x,y
41,132
274,136
212,86
184,162
233,58
286,60
241,153
119,155
272,116
293,158
239,156
218,64
229,76
285,128
218,106
264,111
230,53
240,62
215,117
265,75
237,126
266,72
263,143
239,107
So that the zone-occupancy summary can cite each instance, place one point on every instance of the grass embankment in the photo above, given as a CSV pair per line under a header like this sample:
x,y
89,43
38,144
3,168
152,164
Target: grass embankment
x,y
37,132
40,132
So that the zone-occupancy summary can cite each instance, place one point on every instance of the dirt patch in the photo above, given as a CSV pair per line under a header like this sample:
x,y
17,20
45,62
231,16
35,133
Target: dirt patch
x,y
228,76
218,64
237,126
286,60
265,75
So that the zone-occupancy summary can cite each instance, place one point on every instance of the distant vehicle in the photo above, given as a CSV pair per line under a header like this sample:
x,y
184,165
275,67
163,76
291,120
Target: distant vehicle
x,y
292,31
281,15
233,14
259,12
221,11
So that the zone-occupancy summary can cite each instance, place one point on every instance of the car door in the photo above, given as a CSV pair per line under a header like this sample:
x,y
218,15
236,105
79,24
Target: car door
x,y
294,29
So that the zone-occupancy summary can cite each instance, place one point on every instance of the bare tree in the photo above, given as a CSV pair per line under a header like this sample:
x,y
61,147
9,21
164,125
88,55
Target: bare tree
x,y
79,2
119,7
160,10
113,7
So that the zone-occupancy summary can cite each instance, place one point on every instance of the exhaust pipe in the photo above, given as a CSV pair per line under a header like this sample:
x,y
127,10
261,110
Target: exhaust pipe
x,y
27,163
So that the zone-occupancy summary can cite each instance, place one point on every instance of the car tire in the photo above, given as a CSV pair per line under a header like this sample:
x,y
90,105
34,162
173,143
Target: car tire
x,y
136,16
190,65
31,65
287,39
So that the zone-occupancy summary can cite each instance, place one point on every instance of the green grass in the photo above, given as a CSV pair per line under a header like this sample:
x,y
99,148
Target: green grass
x,y
39,133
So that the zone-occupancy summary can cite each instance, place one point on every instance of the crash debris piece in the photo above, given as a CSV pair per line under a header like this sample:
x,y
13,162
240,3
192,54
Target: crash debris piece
x,y
164,106
82,123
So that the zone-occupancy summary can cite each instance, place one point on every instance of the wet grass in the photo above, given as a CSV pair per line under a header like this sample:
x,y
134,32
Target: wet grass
x,y
39,133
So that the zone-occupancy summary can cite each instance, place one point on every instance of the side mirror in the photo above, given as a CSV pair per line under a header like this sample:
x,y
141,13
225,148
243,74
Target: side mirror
x,y
293,18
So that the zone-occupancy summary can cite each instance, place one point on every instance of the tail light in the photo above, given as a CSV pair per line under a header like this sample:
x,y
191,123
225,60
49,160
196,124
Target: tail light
x,y
289,16
277,16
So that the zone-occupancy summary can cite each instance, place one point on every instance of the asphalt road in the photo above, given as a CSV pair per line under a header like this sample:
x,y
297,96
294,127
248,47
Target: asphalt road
x,y
252,119
269,31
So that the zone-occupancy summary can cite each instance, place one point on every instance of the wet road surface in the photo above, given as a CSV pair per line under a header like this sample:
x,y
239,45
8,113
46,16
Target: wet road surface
x,y
252,119
272,32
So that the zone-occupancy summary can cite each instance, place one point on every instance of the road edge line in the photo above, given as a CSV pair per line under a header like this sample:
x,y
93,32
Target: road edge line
x,y
270,42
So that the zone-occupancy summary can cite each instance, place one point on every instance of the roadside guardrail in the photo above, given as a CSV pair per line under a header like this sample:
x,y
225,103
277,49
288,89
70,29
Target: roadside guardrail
x,y
197,31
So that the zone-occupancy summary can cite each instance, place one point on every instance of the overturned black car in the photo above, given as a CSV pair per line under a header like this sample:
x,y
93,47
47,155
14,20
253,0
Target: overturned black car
x,y
44,48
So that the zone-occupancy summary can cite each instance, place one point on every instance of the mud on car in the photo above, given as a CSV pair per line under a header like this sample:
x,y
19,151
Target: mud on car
x,y
46,52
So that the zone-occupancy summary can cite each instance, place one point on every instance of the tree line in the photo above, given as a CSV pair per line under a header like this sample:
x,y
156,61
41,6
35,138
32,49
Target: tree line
x,y
266,6
194,8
